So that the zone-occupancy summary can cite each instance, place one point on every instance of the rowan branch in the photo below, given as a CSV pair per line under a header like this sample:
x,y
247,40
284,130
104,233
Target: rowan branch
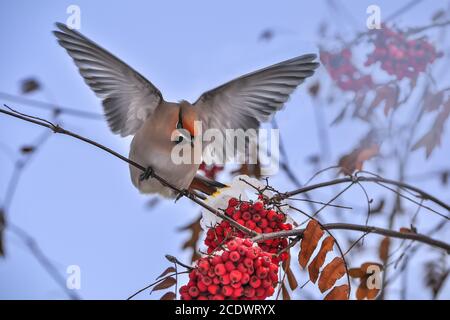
x,y
362,228
420,193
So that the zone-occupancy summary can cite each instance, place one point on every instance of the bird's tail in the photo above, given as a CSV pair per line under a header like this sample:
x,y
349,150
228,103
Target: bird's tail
x,y
205,185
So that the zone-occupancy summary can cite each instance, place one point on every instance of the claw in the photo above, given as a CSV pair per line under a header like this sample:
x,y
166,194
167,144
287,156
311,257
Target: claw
x,y
183,193
149,172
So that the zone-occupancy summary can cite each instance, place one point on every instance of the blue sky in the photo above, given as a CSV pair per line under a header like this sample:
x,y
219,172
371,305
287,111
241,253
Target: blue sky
x,y
77,201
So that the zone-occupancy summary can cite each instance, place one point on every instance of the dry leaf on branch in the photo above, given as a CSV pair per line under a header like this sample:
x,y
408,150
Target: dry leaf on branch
x,y
293,284
166,272
432,101
387,94
285,292
436,274
316,264
338,293
354,161
166,283
362,273
29,85
432,138
311,238
192,242
331,273
366,150
383,250
169,296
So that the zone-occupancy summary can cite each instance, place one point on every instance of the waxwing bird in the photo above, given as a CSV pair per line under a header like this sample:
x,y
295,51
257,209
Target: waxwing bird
x,y
134,106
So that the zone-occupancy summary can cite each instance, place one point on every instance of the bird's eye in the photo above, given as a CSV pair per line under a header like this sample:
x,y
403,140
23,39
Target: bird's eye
x,y
179,139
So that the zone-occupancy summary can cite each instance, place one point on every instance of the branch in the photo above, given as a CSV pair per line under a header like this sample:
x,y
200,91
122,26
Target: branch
x,y
354,227
43,260
57,109
183,193
424,195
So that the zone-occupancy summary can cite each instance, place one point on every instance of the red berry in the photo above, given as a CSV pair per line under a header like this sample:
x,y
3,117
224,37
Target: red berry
x,y
206,280
229,211
255,282
219,269
246,215
244,206
229,266
237,292
232,245
245,278
227,291
235,276
249,292
235,256
233,202
262,272
193,292
258,206
225,279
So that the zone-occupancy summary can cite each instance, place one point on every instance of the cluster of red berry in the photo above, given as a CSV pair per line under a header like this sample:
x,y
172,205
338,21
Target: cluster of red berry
x,y
242,271
255,216
399,56
210,170
341,69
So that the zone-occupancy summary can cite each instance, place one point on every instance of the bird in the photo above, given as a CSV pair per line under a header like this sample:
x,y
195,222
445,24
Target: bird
x,y
134,106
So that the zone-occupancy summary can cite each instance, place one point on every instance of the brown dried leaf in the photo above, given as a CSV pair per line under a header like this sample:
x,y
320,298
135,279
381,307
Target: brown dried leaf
x,y
29,85
166,272
406,230
388,95
354,161
169,296
316,264
363,292
166,283
192,242
432,138
311,238
331,273
314,89
338,293
293,284
432,101
285,292
356,273
27,149
383,250
436,274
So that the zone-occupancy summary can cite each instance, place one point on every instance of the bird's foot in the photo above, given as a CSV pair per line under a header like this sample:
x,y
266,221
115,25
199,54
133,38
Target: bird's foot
x,y
148,173
184,193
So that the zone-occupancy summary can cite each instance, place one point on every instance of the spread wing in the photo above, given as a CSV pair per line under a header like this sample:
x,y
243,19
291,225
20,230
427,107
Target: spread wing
x,y
255,97
128,98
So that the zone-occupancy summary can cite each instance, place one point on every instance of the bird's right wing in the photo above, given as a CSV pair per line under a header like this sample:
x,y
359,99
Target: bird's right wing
x,y
128,98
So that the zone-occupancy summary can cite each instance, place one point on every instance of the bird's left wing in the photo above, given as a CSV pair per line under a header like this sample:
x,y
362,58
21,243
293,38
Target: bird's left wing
x,y
128,98
253,98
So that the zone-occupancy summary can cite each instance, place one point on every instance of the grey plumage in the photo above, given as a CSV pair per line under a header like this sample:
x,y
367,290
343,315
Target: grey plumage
x,y
134,106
